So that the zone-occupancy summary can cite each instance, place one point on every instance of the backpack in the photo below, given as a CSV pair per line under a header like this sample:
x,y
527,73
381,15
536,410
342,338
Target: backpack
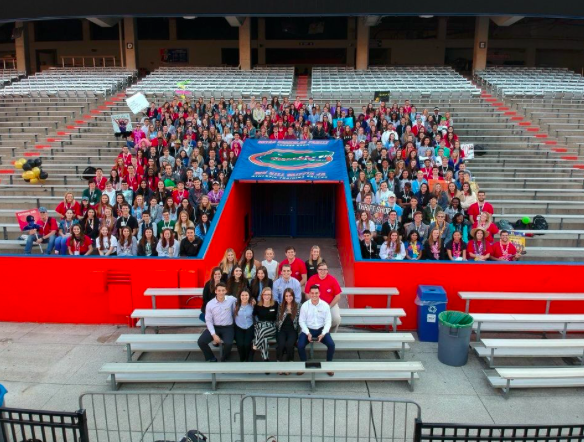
x,y
504,225
88,173
539,223
480,150
194,436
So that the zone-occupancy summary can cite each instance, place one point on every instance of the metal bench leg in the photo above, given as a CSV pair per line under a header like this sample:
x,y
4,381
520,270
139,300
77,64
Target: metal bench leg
x,y
313,381
113,382
411,382
394,324
403,351
492,359
143,326
564,333
311,350
507,389
129,352
478,332
213,381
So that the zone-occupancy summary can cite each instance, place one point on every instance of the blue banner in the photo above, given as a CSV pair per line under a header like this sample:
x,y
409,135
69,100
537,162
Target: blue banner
x,y
267,160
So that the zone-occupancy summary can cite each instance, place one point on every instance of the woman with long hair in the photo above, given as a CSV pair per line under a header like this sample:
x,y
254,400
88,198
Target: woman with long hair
x,y
249,264
478,248
266,314
185,206
79,244
467,196
90,224
364,223
414,246
120,201
424,195
459,225
243,318
106,243
393,248
288,315
237,281
65,232
456,247
138,207
167,245
260,281
203,227
227,263
314,259
433,246
209,289
171,207
182,224
68,203
109,221
144,190
127,244
205,207
102,205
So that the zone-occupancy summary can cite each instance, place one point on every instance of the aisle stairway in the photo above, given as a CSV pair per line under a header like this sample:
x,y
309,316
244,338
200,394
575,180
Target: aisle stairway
x,y
523,172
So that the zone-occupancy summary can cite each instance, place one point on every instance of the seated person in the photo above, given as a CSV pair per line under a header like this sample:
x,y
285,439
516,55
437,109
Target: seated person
x,y
368,246
219,320
504,249
315,323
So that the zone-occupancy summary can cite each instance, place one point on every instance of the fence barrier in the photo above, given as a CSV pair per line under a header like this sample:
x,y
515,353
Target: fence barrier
x,y
166,416
17,425
431,432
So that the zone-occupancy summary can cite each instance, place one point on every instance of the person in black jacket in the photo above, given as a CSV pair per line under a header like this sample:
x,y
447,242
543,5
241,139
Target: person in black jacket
x,y
147,244
368,246
319,133
433,247
189,246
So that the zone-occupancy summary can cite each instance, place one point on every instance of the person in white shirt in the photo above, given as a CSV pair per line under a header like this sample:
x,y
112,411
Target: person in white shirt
x,y
270,264
315,324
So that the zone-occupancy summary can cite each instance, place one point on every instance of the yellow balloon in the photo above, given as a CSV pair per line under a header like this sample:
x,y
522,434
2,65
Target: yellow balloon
x,y
36,171
22,160
28,175
18,164
34,180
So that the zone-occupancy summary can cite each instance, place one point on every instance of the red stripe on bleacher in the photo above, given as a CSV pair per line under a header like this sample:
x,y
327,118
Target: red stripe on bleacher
x,y
510,113
578,166
32,154
53,140
7,172
42,146
503,108
109,102
498,104
94,111
116,99
87,117
533,129
80,121
516,118
485,95
525,123
551,142
102,107
71,127
559,149
570,158
541,136
490,100
65,133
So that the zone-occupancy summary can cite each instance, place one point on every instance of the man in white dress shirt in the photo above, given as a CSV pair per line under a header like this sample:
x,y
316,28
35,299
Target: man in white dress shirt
x,y
315,324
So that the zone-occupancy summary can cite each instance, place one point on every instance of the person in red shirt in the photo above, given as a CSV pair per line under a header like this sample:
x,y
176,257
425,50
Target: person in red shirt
x,y
478,248
330,292
180,193
279,132
290,135
99,179
79,243
484,222
126,156
45,235
132,179
68,203
298,267
479,207
504,250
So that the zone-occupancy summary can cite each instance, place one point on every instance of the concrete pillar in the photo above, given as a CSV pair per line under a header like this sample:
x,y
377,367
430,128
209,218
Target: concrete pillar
x,y
351,41
362,57
245,44
131,43
441,38
481,44
261,40
22,47
85,24
172,34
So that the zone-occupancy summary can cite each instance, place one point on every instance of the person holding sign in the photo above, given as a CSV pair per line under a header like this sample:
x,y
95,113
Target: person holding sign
x,y
504,249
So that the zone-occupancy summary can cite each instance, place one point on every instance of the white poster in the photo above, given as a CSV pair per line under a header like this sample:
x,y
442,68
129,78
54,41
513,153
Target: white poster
x,y
137,102
122,123
468,150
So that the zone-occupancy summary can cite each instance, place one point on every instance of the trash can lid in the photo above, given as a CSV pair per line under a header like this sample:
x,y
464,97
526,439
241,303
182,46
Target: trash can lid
x,y
431,293
454,319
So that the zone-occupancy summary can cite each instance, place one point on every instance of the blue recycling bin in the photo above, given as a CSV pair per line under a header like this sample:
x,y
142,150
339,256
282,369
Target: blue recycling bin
x,y
431,301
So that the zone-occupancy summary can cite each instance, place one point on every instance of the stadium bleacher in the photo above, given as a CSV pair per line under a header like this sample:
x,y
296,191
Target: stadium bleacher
x,y
521,172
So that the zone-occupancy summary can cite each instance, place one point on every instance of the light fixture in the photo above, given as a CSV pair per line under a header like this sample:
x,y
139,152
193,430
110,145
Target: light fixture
x,y
426,16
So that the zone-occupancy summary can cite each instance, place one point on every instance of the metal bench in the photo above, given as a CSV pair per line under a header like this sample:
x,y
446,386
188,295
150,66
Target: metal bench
x,y
522,322
507,378
519,296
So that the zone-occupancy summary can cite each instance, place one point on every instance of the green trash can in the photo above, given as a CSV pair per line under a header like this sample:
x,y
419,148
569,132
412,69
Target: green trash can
x,y
454,330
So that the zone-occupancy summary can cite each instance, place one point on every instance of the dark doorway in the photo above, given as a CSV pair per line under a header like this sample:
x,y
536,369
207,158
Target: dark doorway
x,y
45,58
293,210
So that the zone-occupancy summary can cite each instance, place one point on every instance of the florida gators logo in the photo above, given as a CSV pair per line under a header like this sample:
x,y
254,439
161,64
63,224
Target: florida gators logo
x,y
292,159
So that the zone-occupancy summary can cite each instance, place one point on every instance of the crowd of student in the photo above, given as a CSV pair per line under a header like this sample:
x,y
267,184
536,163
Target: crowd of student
x,y
162,192
250,303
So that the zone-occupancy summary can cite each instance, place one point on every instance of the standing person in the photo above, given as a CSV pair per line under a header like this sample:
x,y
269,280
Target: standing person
x,y
219,321
476,209
286,281
313,260
227,263
288,316
47,234
249,264
244,309
237,282
209,290
78,243
329,292
266,314
315,324
296,265
270,263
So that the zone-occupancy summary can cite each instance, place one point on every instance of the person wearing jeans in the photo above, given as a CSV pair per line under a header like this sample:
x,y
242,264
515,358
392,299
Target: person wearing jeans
x,y
45,235
315,323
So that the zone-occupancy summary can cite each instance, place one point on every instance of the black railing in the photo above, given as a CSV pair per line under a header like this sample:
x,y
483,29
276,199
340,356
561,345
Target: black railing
x,y
430,432
17,425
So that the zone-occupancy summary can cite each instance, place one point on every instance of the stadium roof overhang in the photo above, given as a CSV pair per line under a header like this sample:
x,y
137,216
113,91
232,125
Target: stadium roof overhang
x,y
12,11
